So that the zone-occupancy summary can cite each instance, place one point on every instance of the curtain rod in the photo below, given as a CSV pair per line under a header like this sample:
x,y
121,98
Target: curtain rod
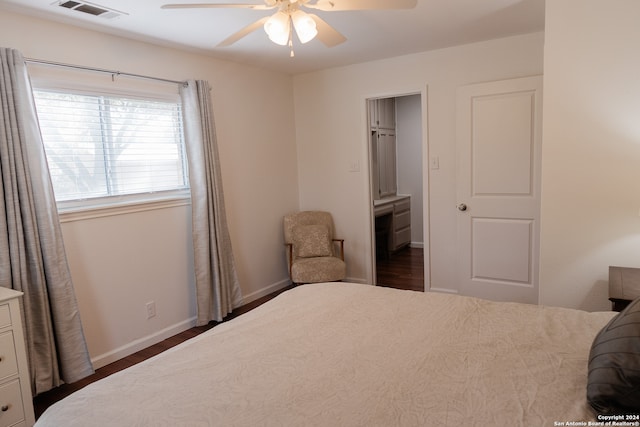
x,y
101,70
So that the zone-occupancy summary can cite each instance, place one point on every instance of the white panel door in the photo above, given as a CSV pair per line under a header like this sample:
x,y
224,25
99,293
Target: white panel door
x,y
499,127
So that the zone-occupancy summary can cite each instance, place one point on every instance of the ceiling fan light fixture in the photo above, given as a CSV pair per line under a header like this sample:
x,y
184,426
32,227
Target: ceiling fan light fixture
x,y
278,28
305,26
291,15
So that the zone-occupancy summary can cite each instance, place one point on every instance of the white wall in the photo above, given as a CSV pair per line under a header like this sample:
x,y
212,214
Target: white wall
x,y
121,262
331,133
409,160
591,149
118,264
591,152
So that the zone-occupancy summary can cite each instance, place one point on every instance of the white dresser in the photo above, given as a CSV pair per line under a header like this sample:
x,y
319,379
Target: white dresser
x,y
16,405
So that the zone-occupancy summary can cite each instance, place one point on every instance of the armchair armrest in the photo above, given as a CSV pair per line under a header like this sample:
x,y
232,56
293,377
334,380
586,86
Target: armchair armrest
x,y
341,241
290,254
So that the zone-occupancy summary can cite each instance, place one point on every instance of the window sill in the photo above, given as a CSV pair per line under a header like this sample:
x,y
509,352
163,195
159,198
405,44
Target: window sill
x,y
79,213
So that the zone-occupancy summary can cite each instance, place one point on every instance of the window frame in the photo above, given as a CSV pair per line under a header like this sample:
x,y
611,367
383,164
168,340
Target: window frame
x,y
95,207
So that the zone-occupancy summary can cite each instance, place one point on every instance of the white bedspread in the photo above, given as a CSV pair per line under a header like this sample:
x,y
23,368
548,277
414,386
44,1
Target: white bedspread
x,y
356,355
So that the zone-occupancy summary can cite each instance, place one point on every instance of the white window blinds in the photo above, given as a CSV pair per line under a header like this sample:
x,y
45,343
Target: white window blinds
x,y
102,146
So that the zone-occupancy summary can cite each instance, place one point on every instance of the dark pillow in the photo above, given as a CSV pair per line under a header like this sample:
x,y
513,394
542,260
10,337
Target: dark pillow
x,y
613,384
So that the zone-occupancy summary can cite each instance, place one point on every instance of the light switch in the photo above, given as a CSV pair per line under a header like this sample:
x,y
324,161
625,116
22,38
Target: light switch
x,y
354,166
434,162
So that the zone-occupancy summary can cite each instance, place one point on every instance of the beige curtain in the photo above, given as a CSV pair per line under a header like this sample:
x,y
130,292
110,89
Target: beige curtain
x,y
32,255
217,287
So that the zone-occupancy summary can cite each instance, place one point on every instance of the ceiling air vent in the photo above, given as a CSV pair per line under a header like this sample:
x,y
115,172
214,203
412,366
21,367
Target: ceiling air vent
x,y
91,9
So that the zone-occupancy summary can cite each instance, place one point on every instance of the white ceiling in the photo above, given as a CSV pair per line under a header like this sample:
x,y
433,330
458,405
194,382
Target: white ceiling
x,y
371,35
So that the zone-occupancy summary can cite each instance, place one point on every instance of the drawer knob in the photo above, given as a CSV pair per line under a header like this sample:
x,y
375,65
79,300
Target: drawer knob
x,y
4,408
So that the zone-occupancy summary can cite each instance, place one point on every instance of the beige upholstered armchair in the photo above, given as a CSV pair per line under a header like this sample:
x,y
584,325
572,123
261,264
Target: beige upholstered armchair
x,y
311,247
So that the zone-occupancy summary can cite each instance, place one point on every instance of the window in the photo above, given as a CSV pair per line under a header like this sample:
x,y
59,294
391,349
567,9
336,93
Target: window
x,y
103,149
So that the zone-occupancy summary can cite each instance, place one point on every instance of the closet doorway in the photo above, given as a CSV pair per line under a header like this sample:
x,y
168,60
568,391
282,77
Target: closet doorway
x,y
396,183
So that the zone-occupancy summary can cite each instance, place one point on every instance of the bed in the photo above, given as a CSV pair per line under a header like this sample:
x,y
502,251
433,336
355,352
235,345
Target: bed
x,y
344,354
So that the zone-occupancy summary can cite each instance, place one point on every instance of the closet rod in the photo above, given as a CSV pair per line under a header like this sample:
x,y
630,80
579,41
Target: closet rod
x,y
101,70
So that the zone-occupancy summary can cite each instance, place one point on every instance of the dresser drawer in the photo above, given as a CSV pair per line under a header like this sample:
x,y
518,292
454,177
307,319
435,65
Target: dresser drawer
x,y
11,409
8,361
5,316
402,206
402,237
402,220
16,404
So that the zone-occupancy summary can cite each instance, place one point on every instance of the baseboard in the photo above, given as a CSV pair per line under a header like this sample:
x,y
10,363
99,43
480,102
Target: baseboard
x,y
444,290
419,245
141,343
354,280
246,299
144,342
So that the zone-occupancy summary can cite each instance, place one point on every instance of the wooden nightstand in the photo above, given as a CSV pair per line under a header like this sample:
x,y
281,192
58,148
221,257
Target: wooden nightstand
x,y
624,286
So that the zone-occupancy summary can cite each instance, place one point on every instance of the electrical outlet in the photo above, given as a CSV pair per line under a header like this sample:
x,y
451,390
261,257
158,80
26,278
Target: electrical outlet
x,y
151,309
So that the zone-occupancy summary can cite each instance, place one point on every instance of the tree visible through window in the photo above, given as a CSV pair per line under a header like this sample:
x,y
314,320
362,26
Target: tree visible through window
x,y
101,146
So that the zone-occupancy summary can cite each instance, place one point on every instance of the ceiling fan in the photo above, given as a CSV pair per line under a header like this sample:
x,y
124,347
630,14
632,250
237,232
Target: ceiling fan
x,y
290,16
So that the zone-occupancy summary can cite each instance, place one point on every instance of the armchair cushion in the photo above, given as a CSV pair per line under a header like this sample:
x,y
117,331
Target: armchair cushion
x,y
314,270
312,241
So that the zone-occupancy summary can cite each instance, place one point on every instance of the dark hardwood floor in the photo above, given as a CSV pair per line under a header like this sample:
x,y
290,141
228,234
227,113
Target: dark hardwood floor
x,y
402,270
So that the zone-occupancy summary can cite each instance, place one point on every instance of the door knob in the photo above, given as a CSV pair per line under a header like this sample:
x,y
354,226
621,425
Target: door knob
x,y
462,207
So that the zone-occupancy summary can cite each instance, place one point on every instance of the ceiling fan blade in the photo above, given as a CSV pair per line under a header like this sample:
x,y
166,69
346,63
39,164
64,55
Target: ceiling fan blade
x,y
243,32
216,5
326,33
332,5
